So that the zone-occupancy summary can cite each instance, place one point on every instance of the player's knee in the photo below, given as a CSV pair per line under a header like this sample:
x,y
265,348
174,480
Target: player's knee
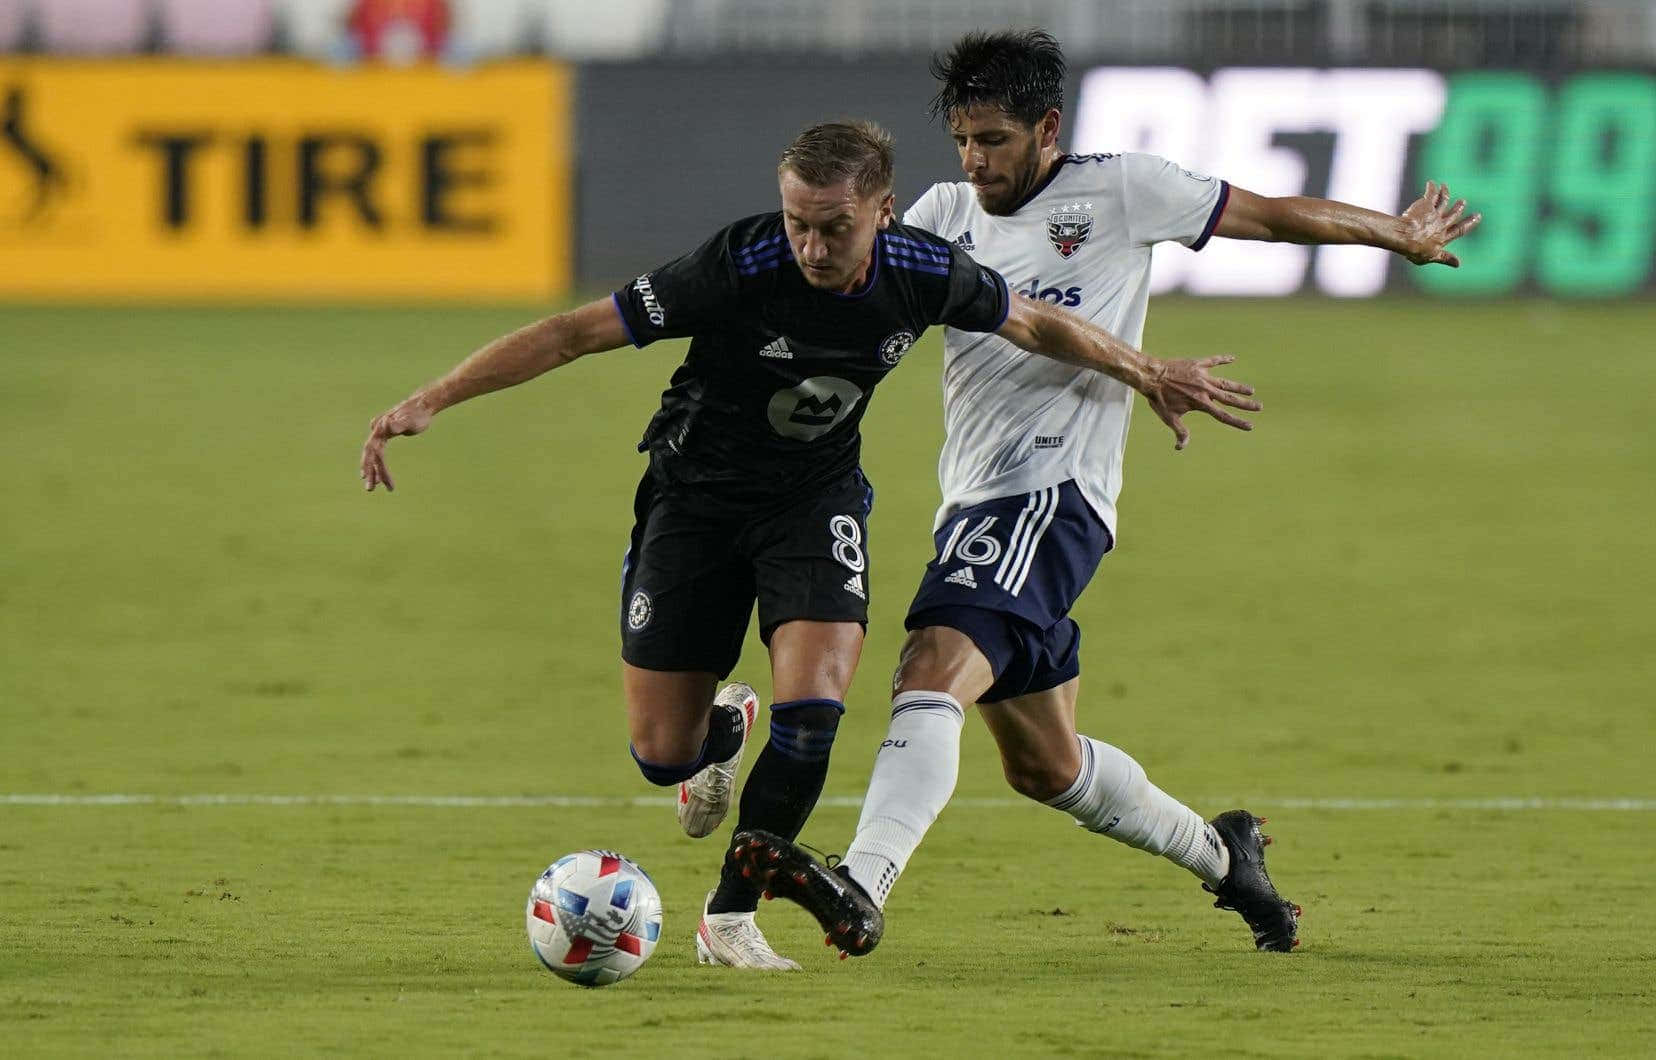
x,y
941,659
666,758
923,661
1036,779
660,742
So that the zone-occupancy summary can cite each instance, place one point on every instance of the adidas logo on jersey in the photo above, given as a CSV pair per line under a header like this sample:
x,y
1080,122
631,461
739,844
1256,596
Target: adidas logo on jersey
x,y
778,349
964,240
962,577
855,587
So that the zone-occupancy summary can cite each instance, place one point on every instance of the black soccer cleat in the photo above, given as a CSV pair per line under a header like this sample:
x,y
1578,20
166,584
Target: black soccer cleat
x,y
1248,889
852,921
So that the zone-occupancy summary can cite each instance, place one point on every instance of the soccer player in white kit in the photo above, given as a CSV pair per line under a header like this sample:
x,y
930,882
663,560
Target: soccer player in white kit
x,y
1030,471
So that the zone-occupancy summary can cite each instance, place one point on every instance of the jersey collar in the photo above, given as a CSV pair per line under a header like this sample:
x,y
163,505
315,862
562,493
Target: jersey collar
x,y
873,274
1052,174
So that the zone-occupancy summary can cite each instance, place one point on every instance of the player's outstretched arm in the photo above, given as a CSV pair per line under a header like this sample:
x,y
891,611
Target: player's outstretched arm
x,y
1172,387
1422,233
507,361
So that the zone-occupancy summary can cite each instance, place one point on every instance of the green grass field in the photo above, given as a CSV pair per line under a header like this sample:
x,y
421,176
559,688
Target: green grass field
x,y
1426,577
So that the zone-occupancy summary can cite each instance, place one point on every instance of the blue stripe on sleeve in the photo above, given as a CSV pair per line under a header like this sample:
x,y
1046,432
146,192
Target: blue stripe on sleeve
x,y
626,327
914,264
764,246
1213,218
917,248
904,252
759,265
934,248
904,255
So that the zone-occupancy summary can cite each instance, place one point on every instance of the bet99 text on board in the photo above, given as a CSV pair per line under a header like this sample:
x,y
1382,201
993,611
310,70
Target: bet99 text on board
x,y
1562,168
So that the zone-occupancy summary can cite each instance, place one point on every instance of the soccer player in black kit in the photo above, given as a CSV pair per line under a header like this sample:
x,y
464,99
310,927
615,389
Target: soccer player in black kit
x,y
754,491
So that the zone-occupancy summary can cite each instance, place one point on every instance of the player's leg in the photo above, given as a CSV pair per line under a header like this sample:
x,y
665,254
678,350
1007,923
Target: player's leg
x,y
810,572
812,664
1101,786
811,579
679,733
914,775
1035,735
704,800
685,606
940,672
1107,792
811,667
667,718
1005,571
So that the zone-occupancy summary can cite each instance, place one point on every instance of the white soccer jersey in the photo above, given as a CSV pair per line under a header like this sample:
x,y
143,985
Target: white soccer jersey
x,y
1019,422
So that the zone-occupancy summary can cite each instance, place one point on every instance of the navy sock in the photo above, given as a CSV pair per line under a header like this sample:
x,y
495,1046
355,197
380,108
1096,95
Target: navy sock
x,y
724,735
783,787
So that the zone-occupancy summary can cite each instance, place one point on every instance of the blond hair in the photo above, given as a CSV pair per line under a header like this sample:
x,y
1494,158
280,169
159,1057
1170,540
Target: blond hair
x,y
832,151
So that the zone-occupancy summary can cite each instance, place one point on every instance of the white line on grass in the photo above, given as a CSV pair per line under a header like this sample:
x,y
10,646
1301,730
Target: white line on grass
x,y
1496,803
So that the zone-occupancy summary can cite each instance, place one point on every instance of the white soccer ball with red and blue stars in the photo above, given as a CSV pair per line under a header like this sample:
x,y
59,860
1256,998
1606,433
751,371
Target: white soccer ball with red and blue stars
x,y
594,917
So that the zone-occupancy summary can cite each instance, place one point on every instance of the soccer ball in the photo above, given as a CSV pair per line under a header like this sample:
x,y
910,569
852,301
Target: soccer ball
x,y
593,917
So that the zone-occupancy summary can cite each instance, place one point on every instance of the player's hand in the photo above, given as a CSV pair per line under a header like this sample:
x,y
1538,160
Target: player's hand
x,y
410,417
1432,222
1181,386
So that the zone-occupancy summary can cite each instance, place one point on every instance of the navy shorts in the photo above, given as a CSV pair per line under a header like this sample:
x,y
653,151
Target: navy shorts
x,y
1006,574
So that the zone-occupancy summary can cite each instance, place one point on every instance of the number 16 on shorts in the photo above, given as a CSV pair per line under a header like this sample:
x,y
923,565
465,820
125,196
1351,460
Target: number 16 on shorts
x,y
1030,555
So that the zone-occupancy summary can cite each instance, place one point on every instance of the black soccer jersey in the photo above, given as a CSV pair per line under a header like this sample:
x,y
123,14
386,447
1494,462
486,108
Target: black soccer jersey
x,y
770,397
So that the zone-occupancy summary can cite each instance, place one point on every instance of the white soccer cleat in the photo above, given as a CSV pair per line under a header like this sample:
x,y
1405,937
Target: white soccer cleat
x,y
735,941
704,799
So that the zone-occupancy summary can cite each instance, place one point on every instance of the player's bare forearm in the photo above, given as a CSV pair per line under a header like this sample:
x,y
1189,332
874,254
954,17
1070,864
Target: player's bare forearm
x,y
511,359
1042,328
507,361
1420,233
1303,219
530,351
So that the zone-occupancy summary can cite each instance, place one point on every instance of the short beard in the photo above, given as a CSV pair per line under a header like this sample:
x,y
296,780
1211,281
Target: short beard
x,y
1016,196
1001,206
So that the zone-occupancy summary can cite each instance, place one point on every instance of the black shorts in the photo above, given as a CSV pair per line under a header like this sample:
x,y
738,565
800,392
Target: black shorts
x,y
694,570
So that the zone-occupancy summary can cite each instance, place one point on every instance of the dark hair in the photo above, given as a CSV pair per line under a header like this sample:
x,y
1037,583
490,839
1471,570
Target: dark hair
x,y
832,151
1021,72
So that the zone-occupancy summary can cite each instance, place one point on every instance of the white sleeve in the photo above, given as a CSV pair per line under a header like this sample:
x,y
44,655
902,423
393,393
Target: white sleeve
x,y
1166,202
927,211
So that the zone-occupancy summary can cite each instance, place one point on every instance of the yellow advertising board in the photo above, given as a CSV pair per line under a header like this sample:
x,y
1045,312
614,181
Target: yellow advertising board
x,y
282,179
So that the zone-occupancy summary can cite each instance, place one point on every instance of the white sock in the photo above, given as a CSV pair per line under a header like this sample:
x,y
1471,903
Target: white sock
x,y
914,775
1113,797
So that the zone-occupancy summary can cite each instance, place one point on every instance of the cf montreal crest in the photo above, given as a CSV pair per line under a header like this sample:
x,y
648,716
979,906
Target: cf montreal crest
x,y
893,348
1068,226
639,611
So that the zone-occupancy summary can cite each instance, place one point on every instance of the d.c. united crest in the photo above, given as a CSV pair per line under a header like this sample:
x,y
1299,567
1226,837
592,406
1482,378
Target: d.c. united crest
x,y
1068,226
